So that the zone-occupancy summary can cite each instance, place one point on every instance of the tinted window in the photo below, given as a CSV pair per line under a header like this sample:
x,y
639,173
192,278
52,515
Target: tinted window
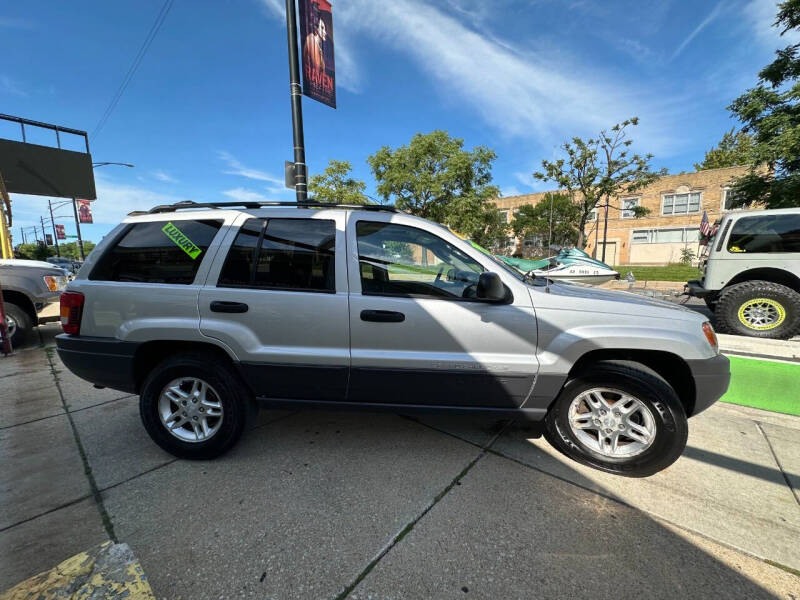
x,y
406,261
286,254
158,252
766,234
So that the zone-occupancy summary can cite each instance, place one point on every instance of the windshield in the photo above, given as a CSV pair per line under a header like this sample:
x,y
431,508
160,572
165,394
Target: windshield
x,y
517,274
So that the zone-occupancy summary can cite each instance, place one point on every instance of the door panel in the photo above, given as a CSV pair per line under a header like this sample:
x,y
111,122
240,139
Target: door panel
x,y
452,352
291,343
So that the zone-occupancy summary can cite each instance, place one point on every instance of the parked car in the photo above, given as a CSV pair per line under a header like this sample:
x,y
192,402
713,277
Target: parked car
x,y
73,266
28,287
751,278
203,311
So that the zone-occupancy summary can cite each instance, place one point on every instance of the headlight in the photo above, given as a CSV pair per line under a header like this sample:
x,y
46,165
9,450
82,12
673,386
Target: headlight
x,y
711,337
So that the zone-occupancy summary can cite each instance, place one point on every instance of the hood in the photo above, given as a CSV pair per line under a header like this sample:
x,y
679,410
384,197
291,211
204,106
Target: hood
x,y
17,263
578,297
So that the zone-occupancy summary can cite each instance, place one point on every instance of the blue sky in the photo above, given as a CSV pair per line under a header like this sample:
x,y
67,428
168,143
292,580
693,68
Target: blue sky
x,y
207,115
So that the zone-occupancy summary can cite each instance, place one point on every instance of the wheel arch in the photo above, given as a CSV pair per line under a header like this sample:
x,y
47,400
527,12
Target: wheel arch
x,y
668,365
23,301
771,274
150,354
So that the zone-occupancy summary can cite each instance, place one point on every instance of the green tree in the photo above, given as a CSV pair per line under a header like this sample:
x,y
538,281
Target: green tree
x,y
435,178
733,150
770,112
336,185
34,251
71,250
600,169
556,210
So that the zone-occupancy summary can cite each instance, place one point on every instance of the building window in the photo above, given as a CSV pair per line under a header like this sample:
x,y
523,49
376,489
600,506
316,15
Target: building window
x,y
628,205
730,200
679,204
504,215
678,235
592,215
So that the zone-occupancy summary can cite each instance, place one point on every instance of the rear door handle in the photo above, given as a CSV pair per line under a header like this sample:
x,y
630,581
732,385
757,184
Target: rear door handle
x,y
382,316
229,307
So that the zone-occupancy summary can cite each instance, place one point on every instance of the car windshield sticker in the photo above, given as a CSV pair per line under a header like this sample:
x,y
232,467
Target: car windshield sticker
x,y
180,240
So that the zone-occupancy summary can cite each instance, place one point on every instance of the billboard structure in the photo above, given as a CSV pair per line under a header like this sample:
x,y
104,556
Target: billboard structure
x,y
316,37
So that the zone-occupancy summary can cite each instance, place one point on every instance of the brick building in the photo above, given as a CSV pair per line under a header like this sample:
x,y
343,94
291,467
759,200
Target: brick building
x,y
676,204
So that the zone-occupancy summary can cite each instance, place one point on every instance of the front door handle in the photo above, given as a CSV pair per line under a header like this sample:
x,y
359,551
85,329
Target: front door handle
x,y
229,307
382,316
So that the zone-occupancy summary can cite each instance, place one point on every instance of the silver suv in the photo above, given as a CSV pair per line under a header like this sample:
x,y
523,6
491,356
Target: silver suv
x,y
207,311
751,279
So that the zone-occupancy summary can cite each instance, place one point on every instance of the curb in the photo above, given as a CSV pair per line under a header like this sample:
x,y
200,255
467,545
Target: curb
x,y
737,345
108,571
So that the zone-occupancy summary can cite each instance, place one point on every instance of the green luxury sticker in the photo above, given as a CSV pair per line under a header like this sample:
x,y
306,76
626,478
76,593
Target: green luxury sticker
x,y
180,240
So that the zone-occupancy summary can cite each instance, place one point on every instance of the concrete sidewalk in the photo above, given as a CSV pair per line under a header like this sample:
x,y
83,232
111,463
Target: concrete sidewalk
x,y
334,505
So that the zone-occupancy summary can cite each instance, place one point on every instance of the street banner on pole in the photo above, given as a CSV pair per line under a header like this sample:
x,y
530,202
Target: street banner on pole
x,y
85,211
48,239
60,233
316,36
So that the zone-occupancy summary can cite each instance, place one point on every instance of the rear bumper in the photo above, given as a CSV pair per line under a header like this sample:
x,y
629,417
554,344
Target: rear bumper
x,y
695,288
102,361
711,379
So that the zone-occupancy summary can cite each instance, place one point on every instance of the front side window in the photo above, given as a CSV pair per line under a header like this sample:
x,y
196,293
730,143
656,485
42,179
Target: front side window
x,y
628,205
765,234
397,260
677,204
158,252
282,254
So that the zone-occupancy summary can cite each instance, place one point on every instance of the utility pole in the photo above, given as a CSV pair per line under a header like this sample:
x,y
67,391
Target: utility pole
x,y
605,231
296,92
22,232
53,223
44,235
78,227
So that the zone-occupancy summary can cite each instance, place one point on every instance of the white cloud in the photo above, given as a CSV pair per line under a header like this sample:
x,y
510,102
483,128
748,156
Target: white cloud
x,y
115,200
164,176
235,167
703,24
761,15
275,7
245,195
11,87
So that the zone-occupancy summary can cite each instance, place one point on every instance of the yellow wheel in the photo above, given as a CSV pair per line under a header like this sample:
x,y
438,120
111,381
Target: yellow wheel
x,y
762,314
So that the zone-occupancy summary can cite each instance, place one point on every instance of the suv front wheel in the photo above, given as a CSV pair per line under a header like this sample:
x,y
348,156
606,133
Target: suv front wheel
x,y
620,417
194,406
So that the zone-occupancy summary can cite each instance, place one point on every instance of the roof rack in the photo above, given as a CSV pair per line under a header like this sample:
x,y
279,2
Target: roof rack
x,y
189,204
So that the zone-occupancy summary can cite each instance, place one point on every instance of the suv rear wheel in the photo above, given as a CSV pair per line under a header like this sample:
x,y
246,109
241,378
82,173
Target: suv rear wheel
x,y
193,406
759,309
620,417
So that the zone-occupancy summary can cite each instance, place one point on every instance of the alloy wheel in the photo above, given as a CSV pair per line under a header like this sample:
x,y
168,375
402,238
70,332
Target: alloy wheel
x,y
190,409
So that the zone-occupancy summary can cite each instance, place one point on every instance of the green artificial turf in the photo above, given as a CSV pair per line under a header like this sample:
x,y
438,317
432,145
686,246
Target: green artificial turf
x,y
764,384
672,272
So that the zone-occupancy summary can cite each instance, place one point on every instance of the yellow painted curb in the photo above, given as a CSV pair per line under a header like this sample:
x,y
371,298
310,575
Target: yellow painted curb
x,y
108,571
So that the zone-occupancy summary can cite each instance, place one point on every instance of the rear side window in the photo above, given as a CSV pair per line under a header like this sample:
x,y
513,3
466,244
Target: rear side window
x,y
282,254
766,234
157,252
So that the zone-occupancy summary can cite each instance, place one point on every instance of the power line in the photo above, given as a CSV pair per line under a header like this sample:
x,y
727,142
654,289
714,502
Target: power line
x,y
151,35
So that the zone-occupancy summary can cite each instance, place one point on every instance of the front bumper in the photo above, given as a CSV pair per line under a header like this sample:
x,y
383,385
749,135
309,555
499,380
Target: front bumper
x,y
104,362
711,379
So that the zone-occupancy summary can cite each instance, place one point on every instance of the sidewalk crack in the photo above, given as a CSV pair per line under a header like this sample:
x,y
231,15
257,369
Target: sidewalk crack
x,y
778,462
87,468
411,524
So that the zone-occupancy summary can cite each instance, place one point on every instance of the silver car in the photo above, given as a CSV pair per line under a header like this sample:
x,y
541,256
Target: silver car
x,y
207,311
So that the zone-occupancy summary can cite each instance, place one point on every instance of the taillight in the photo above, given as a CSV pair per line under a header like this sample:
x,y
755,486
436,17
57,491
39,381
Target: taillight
x,y
71,312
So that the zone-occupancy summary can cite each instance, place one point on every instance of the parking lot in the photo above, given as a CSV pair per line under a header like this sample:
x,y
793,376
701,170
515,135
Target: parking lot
x,y
358,505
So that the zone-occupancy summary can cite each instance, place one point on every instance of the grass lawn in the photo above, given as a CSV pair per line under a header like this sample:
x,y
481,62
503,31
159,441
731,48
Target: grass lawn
x,y
672,272
764,384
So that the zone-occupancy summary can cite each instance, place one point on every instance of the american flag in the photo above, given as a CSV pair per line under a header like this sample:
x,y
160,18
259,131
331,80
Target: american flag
x,y
705,226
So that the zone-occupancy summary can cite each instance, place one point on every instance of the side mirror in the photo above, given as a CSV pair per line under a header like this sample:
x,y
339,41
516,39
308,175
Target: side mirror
x,y
490,287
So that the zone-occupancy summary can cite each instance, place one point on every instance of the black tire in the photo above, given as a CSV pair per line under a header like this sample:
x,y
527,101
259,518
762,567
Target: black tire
x,y
233,396
669,417
23,325
785,301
